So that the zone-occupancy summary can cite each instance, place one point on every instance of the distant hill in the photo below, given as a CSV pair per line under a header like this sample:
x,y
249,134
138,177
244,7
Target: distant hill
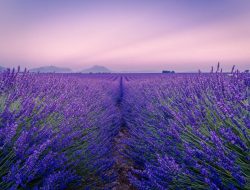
x,y
51,69
97,69
2,69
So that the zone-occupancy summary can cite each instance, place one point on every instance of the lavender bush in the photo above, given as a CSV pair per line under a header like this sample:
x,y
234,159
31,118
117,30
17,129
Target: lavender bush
x,y
189,131
76,131
56,130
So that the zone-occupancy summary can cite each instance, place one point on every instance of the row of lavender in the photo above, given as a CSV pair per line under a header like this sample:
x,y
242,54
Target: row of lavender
x,y
56,131
188,131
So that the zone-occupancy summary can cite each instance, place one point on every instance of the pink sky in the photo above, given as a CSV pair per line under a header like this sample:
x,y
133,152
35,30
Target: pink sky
x,y
125,37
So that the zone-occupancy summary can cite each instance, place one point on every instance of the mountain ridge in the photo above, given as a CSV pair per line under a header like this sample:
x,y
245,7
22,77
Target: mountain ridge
x,y
51,69
2,68
96,69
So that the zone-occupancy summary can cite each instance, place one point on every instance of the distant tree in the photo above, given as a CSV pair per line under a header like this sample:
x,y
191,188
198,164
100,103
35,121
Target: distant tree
x,y
168,72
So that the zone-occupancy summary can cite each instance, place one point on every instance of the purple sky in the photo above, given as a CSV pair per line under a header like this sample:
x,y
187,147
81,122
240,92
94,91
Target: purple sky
x,y
131,35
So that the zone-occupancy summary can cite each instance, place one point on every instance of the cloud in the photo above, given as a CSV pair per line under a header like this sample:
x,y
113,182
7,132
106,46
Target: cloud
x,y
227,41
131,34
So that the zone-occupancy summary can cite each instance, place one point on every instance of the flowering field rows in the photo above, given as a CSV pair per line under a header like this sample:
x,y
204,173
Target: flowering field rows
x,y
124,131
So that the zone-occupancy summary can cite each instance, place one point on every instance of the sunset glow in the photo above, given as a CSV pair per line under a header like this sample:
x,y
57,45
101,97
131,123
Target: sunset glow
x,y
131,36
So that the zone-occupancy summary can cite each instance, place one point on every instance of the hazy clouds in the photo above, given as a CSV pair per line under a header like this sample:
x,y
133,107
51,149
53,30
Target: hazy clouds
x,y
131,35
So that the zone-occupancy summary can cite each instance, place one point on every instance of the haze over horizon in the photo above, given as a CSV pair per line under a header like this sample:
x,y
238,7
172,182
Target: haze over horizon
x,y
139,35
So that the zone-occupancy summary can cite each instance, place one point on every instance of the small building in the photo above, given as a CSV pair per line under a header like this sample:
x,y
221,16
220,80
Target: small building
x,y
168,72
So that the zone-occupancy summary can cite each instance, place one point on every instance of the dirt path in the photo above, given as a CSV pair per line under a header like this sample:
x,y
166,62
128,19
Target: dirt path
x,y
122,164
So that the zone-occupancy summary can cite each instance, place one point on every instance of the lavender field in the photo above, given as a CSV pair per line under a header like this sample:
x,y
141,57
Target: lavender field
x,y
124,131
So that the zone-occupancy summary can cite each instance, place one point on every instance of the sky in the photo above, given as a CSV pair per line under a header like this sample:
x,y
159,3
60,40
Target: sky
x,y
125,35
